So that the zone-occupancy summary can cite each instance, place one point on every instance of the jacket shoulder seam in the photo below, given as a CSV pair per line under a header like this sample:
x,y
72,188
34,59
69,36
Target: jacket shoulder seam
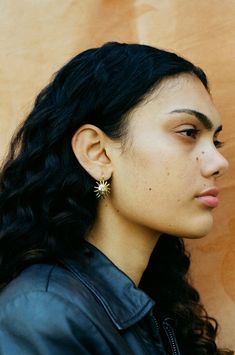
x,y
49,277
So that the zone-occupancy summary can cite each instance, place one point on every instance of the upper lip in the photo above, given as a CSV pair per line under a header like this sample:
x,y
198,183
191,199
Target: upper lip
x,y
210,192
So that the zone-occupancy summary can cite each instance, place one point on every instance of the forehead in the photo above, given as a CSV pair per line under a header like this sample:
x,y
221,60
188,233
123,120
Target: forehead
x,y
176,93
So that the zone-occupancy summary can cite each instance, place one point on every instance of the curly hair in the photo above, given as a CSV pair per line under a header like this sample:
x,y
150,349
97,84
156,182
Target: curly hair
x,y
47,203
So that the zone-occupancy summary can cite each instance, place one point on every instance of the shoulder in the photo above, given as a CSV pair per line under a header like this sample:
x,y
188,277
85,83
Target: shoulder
x,y
46,304
41,282
45,281
43,288
37,322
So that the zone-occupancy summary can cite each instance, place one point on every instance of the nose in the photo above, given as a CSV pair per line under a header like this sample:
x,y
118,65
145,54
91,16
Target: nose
x,y
213,164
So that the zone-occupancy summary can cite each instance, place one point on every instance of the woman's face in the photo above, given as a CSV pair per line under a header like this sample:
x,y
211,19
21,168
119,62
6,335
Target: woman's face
x,y
171,157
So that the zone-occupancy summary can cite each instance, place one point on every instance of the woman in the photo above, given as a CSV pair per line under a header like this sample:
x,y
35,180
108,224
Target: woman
x,y
115,165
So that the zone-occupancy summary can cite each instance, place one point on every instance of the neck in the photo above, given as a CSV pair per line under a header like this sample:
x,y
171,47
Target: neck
x,y
125,243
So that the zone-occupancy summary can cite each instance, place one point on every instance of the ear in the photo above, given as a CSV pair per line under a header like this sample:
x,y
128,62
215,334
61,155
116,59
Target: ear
x,y
90,146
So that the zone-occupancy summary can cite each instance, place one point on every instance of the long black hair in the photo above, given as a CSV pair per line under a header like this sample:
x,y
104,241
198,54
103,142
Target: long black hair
x,y
47,203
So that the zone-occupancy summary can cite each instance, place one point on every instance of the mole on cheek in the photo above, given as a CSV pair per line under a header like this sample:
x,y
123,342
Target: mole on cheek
x,y
150,189
196,158
203,152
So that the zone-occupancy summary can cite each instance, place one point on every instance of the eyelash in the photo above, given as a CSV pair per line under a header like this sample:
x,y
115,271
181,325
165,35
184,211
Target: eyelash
x,y
218,144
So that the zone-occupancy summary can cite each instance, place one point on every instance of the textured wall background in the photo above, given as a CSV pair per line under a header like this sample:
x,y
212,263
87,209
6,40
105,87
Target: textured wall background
x,y
37,37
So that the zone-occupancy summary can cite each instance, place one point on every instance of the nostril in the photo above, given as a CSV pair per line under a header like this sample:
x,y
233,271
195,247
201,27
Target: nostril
x,y
217,174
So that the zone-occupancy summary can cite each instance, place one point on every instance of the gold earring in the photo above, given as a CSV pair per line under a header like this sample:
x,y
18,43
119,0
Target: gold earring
x,y
102,188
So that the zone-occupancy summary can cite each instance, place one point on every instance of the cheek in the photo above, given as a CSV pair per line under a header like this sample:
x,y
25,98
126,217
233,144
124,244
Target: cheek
x,y
162,174
157,190
145,180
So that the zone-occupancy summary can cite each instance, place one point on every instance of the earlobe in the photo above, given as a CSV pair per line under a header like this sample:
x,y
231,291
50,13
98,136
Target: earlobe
x,y
89,146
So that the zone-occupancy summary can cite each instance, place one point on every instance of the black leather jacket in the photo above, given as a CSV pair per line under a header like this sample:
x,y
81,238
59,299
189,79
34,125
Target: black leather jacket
x,y
87,306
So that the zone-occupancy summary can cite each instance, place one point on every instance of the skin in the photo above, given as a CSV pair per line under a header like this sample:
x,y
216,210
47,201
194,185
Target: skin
x,y
155,180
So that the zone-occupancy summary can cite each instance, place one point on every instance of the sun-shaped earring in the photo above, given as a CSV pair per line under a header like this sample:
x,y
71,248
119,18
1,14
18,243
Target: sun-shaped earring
x,y
102,188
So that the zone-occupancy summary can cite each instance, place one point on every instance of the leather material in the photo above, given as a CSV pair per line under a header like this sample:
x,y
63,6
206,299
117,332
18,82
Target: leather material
x,y
87,306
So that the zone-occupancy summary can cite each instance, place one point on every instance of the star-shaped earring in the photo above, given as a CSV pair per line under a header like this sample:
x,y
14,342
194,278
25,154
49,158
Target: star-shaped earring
x,y
102,188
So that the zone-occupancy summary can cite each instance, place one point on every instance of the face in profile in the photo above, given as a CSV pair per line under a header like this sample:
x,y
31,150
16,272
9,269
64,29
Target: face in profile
x,y
172,156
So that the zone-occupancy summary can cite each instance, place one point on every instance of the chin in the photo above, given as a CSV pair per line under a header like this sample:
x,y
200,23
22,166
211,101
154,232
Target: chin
x,y
198,228
200,231
195,236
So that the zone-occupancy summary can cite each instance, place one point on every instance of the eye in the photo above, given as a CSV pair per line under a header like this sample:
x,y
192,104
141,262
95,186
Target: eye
x,y
193,133
218,144
190,132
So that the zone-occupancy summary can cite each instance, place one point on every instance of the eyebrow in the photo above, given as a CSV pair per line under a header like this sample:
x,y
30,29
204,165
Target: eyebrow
x,y
201,117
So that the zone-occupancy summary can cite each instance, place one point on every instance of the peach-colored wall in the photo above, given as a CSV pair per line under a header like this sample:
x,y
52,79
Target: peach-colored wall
x,y
37,37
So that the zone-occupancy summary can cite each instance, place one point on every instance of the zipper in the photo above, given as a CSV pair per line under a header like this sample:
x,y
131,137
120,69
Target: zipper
x,y
156,323
157,334
171,337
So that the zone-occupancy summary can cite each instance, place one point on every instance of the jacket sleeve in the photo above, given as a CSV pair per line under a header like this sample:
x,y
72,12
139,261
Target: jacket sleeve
x,y
41,323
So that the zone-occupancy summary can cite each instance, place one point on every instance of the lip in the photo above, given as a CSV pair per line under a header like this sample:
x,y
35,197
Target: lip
x,y
209,197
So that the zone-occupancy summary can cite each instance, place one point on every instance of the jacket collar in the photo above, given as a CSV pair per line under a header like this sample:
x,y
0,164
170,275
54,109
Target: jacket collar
x,y
122,300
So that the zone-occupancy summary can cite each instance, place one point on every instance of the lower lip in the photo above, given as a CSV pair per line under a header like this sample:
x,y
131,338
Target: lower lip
x,y
210,201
